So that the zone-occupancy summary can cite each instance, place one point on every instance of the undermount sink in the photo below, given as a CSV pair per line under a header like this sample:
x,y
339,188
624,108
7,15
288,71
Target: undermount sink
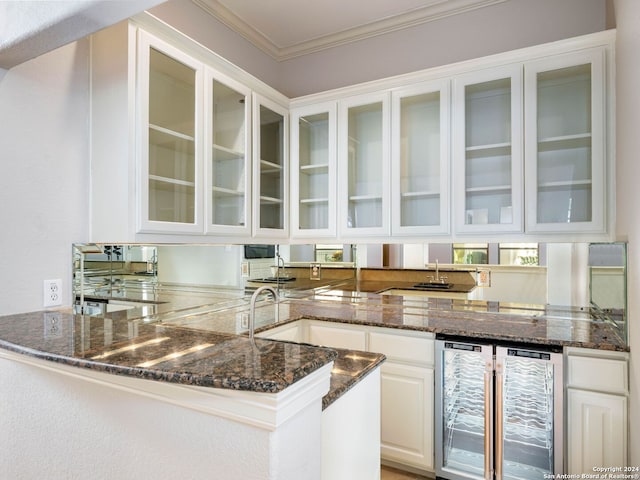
x,y
433,286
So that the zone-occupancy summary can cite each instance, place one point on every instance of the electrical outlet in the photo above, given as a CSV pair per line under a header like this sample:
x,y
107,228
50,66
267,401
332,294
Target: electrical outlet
x,y
243,320
52,293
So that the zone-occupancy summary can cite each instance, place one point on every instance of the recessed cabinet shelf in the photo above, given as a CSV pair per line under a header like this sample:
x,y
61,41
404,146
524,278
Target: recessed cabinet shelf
x,y
315,169
224,153
564,185
493,150
171,181
489,189
271,200
159,135
564,142
365,198
419,195
223,192
267,167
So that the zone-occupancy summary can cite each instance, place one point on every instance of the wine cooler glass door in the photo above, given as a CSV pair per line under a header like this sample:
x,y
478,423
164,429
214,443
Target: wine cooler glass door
x,y
465,395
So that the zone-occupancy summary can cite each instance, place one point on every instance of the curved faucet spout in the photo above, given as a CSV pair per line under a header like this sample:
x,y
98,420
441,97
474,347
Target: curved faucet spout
x,y
252,308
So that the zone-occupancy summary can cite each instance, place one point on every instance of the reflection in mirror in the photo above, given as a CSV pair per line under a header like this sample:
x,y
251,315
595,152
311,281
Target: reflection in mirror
x,y
105,271
608,281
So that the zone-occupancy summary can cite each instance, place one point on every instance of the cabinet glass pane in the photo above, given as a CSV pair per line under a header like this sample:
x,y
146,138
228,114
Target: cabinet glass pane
x,y
271,173
171,140
564,168
488,160
365,166
420,160
313,156
228,160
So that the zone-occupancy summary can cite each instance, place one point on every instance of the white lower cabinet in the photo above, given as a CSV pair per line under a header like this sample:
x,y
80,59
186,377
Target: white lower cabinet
x,y
597,428
406,434
406,382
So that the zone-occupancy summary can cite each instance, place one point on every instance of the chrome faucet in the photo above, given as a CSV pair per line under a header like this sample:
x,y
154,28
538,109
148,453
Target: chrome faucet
x,y
252,308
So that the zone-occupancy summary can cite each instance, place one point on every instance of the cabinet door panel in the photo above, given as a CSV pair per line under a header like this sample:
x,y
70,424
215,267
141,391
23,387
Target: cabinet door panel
x,y
170,157
270,176
313,171
597,430
363,157
564,138
228,150
420,161
487,151
407,415
337,337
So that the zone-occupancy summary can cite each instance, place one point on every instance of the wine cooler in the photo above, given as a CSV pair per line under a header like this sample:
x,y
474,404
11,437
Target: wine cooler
x,y
499,411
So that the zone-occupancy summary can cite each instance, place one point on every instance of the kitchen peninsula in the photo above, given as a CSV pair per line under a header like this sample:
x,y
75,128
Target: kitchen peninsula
x,y
109,379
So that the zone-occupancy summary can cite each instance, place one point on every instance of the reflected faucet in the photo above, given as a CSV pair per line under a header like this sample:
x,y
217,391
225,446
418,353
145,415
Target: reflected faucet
x,y
252,308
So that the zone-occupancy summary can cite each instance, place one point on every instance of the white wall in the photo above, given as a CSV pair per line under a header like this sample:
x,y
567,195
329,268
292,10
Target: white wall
x,y
628,195
44,173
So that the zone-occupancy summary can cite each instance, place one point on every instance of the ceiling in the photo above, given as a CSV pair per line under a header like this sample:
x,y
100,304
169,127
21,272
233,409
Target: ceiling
x,y
286,29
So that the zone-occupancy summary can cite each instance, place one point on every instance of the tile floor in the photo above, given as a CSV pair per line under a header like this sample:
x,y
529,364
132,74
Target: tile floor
x,y
388,473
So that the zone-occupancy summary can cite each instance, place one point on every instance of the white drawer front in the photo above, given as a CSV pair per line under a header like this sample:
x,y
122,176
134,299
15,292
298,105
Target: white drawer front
x,y
337,337
598,374
403,347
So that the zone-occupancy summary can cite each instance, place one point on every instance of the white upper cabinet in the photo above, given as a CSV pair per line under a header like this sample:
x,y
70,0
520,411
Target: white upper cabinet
x,y
170,102
565,143
270,164
363,165
420,161
227,156
487,150
313,171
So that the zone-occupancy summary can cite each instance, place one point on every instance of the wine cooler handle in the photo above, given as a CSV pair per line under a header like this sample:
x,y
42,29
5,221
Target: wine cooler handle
x,y
488,473
499,423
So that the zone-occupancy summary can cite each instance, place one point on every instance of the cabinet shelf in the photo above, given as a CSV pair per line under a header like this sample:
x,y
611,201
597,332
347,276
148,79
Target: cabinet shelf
x,y
490,189
315,169
564,142
490,150
270,200
270,167
227,192
420,194
171,181
365,198
227,153
312,201
564,184
170,135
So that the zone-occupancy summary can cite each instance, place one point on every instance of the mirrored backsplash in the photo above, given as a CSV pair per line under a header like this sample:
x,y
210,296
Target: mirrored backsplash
x,y
576,274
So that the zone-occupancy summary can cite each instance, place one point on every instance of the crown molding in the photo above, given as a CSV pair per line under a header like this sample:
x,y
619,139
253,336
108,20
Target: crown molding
x,y
415,17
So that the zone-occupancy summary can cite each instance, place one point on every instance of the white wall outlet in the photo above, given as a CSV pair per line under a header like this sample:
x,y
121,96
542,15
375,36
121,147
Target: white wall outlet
x,y
52,293
243,320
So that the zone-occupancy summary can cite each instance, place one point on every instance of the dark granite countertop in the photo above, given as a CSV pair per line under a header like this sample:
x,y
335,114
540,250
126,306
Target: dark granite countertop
x,y
493,321
161,352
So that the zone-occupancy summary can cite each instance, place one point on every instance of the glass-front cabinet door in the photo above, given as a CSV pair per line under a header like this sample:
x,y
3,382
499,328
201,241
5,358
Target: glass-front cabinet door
x,y
564,138
487,151
313,170
420,159
270,182
363,157
170,198
227,154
